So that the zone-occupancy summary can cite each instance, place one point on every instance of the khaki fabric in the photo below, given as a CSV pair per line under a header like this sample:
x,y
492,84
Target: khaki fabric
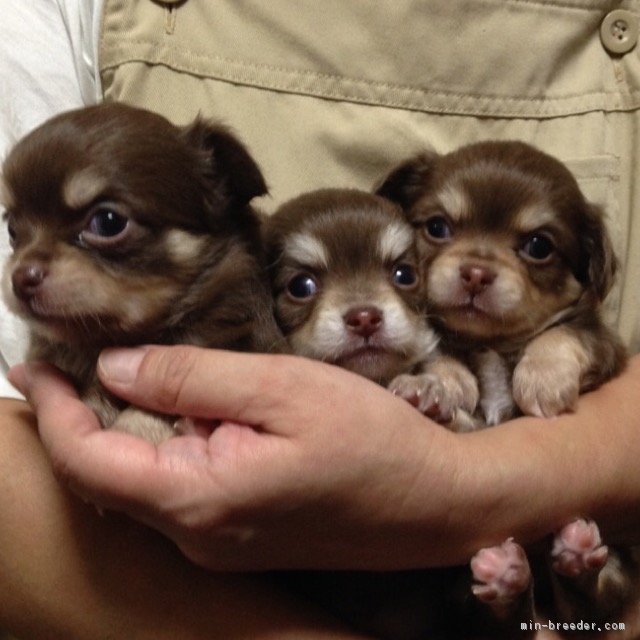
x,y
335,92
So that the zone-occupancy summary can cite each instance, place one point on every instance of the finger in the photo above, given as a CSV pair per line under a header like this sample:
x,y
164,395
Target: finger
x,y
51,394
202,383
112,469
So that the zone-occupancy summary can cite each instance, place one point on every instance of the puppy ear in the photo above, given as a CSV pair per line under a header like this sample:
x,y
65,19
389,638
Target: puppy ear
x,y
408,181
234,175
599,263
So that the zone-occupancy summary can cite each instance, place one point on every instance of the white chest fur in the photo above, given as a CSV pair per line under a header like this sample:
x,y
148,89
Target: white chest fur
x,y
494,376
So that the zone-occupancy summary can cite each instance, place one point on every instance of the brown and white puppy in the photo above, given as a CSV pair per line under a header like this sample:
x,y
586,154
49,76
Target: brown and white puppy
x,y
517,263
345,283
127,230
347,291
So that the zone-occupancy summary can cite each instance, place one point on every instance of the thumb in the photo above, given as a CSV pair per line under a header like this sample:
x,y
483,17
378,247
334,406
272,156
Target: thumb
x,y
200,383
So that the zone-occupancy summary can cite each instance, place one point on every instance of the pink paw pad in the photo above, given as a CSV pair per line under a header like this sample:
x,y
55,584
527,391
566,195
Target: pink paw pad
x,y
502,572
578,549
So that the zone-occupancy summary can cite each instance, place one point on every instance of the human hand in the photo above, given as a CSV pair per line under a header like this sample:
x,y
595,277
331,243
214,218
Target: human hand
x,y
315,467
311,466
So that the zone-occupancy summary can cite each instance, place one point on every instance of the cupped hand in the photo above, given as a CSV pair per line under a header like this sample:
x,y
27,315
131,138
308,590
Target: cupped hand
x,y
308,466
311,466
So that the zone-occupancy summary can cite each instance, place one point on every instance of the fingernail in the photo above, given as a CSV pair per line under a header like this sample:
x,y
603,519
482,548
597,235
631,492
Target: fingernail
x,y
120,366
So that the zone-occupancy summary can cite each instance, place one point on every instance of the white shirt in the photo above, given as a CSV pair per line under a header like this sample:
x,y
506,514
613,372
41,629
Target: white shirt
x,y
48,64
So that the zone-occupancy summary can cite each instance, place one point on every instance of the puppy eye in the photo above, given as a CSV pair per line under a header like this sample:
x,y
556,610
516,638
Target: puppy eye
x,y
11,230
12,235
438,228
106,223
538,247
404,275
302,286
105,226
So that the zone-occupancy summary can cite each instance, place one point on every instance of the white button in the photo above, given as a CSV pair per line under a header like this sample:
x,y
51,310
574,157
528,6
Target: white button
x,y
619,31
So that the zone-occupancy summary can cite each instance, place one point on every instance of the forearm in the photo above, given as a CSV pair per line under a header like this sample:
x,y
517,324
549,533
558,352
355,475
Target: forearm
x,y
525,479
530,476
66,572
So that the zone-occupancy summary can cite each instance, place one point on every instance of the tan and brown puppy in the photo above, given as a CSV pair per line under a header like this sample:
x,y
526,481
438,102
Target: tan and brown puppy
x,y
346,284
127,230
517,263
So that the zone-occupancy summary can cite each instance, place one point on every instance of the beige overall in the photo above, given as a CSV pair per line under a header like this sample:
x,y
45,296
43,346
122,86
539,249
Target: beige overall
x,y
335,92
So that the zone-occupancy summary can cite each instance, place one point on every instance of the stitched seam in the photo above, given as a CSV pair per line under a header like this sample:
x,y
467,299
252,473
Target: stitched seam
x,y
527,108
577,6
294,74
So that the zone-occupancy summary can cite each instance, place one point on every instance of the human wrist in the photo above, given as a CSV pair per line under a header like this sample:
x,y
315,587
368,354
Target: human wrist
x,y
432,526
534,475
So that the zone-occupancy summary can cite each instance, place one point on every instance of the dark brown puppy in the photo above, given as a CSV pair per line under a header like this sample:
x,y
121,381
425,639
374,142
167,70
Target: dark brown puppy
x,y
517,263
127,230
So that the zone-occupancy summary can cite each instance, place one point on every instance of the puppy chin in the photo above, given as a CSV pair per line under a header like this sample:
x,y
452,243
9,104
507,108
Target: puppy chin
x,y
374,358
56,324
56,331
477,316
470,321
377,364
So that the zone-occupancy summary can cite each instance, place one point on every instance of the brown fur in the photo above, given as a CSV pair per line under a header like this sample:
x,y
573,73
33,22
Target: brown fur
x,y
186,268
526,321
495,197
349,243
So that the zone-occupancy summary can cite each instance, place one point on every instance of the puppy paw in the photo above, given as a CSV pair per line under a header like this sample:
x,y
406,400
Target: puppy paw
x,y
463,422
426,393
150,426
578,550
546,387
502,573
459,383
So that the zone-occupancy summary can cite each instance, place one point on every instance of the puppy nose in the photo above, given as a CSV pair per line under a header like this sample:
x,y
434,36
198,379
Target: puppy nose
x,y
364,321
27,278
476,278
